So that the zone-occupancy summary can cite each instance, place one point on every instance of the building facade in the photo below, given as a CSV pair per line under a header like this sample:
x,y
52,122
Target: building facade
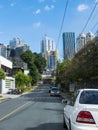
x,y
3,50
89,36
8,82
47,44
49,53
68,44
52,57
82,39
14,42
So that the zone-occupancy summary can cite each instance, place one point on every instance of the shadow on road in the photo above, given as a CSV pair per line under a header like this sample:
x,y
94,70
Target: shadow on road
x,y
48,126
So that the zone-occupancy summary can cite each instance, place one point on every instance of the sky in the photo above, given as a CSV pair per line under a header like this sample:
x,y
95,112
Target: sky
x,y
31,20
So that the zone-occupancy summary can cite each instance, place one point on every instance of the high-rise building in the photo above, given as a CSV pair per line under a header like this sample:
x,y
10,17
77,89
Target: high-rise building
x,y
47,44
14,42
14,50
68,44
82,39
3,50
89,36
52,57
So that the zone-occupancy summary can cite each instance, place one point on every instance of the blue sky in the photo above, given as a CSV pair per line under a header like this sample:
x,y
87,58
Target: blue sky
x,y
30,20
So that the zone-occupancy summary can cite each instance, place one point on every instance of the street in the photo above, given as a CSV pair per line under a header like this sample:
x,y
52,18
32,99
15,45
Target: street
x,y
33,111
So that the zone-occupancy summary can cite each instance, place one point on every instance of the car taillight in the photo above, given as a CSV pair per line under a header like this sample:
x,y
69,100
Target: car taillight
x,y
85,117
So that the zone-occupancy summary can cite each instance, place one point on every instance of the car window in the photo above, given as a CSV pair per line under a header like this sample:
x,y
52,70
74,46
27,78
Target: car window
x,y
56,89
89,97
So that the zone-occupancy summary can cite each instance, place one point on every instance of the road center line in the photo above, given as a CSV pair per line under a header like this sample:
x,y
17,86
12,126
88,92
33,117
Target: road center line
x,y
17,109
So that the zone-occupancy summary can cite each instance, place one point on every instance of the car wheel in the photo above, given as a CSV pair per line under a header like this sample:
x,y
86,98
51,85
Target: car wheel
x,y
64,123
69,125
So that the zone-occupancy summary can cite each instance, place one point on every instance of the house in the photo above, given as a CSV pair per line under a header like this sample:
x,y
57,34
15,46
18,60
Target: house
x,y
8,82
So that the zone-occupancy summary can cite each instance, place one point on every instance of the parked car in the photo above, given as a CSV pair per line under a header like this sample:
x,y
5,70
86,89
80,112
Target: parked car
x,y
10,91
13,91
50,88
54,91
81,112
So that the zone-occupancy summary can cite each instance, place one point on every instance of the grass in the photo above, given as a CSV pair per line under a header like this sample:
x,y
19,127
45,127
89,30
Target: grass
x,y
1,96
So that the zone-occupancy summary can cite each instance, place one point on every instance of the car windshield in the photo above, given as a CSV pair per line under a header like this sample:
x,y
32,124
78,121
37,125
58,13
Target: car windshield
x,y
89,97
55,89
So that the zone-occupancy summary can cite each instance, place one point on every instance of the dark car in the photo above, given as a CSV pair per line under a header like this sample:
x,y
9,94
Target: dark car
x,y
13,91
54,91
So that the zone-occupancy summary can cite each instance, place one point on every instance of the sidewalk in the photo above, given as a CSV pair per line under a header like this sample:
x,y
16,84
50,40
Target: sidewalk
x,y
6,97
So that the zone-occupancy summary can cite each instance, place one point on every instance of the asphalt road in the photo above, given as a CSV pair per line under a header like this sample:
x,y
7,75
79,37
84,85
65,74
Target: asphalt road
x,y
33,111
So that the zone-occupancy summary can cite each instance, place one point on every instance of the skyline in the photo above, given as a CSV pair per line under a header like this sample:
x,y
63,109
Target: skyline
x,y
31,20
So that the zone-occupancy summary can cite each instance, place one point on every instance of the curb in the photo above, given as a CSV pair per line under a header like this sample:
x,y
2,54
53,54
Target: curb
x,y
4,100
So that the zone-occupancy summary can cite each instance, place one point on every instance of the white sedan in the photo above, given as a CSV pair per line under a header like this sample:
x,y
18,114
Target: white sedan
x,y
81,112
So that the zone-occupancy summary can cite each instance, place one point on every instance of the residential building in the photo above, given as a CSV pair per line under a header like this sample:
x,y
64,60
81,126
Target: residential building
x,y
81,41
8,82
52,57
68,44
89,36
3,51
14,42
14,50
47,44
49,53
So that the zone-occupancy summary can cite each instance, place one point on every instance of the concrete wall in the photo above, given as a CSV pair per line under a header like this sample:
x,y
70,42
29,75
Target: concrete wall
x,y
6,84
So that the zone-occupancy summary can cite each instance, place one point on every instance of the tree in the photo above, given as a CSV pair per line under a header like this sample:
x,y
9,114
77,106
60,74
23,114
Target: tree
x,y
28,57
40,62
22,80
2,74
36,64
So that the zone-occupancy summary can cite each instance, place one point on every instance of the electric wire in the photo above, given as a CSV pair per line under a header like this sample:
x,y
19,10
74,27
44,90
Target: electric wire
x,y
89,17
62,23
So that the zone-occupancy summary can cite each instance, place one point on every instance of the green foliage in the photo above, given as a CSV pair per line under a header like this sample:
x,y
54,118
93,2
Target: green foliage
x,y
40,62
83,66
28,57
34,74
2,74
36,64
22,81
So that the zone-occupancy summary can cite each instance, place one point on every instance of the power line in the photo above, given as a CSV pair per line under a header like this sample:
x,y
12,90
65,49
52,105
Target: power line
x,y
90,17
62,24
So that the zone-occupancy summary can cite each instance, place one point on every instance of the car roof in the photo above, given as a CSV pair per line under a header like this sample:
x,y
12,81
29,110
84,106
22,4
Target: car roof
x,y
87,89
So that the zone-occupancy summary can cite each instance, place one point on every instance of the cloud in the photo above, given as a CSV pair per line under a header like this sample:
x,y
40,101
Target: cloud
x,y
38,11
82,7
36,25
47,7
12,4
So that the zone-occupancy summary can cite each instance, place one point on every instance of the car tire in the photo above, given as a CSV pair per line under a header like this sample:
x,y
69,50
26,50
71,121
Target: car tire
x,y
64,123
69,125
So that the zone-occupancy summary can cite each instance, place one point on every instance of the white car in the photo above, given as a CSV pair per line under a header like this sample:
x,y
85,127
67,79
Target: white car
x,y
81,112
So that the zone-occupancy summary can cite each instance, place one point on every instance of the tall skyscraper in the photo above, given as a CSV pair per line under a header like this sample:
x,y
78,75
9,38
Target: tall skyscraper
x,y
82,39
47,44
14,42
89,36
3,50
68,44
52,57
